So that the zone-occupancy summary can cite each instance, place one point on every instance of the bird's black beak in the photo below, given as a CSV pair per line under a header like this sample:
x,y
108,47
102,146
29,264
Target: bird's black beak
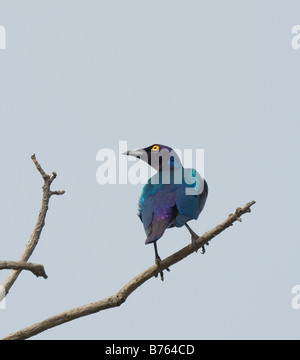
x,y
135,153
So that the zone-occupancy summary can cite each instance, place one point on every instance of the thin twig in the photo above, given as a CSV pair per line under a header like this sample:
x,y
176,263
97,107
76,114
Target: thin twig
x,y
36,269
120,297
34,238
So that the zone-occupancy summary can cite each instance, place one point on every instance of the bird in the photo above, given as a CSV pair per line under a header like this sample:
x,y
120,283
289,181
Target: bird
x,y
171,197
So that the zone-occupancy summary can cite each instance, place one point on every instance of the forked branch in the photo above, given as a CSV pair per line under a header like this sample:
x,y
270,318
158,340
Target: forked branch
x,y
34,238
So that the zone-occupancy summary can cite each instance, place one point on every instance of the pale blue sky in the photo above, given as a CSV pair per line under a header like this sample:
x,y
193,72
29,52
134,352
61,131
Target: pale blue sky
x,y
80,76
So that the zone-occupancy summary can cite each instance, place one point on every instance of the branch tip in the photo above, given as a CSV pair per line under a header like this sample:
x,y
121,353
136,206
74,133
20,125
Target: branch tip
x,y
57,192
37,269
54,175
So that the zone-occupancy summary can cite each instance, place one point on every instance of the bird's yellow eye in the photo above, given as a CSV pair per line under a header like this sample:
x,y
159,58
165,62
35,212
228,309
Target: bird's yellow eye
x,y
155,148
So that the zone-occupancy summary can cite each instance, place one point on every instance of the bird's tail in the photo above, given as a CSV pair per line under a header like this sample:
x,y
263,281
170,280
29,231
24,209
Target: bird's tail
x,y
157,230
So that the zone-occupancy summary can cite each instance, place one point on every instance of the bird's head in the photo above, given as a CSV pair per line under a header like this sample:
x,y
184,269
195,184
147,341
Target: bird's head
x,y
158,156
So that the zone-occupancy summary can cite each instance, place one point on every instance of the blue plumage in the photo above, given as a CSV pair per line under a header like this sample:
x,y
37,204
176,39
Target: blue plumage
x,y
172,197
167,205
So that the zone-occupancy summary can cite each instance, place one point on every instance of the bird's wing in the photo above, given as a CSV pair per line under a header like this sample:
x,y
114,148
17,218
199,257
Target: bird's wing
x,y
190,197
157,209
158,228
146,207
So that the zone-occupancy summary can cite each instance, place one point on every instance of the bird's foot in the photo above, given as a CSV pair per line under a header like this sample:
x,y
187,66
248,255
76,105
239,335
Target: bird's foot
x,y
157,262
194,237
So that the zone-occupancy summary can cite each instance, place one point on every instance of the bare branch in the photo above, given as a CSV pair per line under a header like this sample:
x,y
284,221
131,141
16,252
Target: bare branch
x,y
39,168
121,296
34,238
36,269
57,192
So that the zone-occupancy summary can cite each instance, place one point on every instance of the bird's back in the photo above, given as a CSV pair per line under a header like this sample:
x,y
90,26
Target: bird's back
x,y
167,205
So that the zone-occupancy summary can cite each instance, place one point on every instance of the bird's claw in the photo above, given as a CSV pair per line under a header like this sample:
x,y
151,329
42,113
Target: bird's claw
x,y
157,262
203,248
161,276
194,238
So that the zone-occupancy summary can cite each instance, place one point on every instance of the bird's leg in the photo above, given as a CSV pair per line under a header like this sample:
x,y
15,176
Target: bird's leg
x,y
193,235
194,238
158,260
